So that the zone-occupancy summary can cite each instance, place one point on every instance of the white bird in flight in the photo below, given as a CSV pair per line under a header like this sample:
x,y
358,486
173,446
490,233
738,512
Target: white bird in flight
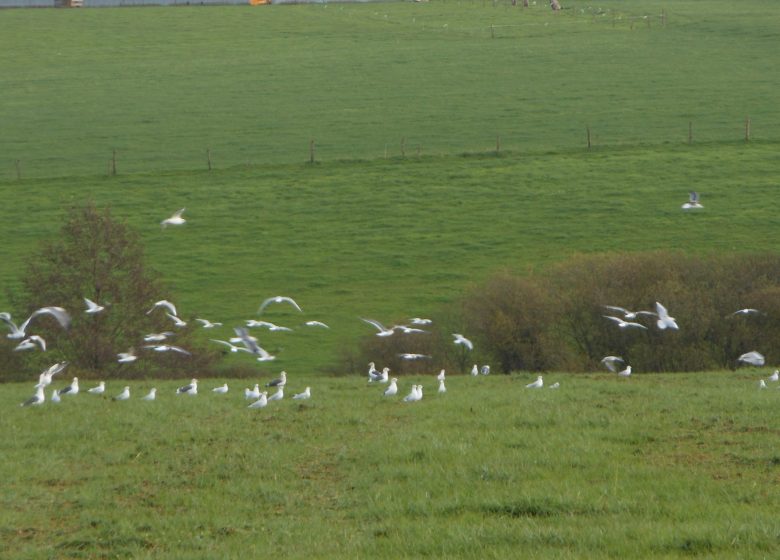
x,y
628,315
126,357
167,348
20,332
267,324
279,299
460,339
625,324
420,321
30,342
221,390
157,337
383,331
316,324
538,384
693,202
46,376
409,356
176,321
190,389
251,345
163,303
306,394
175,220
664,320
753,358
92,307
124,395
233,348
208,324
151,395
610,361
747,311
99,389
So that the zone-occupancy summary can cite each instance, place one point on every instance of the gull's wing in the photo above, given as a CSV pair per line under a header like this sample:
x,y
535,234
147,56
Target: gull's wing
x,y
662,312
616,308
57,312
90,304
180,350
616,319
376,324
178,213
164,303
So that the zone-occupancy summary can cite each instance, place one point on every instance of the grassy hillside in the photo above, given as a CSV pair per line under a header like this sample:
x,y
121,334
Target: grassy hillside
x,y
254,85
662,466
395,239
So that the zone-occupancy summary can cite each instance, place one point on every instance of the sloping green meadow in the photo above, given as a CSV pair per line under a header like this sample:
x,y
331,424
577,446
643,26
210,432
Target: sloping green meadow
x,y
658,466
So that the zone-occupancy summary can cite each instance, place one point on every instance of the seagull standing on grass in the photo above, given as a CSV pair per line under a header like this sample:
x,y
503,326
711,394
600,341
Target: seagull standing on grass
x,y
442,388
538,384
392,389
555,385
72,389
221,390
693,202
37,399
92,307
279,299
664,320
175,220
303,396
261,402
55,396
441,376
761,385
124,395
278,395
775,376
250,394
190,389
626,372
151,396
281,381
99,390
753,358
474,370
412,396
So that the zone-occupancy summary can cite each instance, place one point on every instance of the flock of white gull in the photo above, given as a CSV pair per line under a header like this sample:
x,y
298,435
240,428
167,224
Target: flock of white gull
x,y
244,342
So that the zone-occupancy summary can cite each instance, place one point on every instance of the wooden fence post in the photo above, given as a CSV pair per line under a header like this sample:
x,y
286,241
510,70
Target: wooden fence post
x,y
747,129
587,130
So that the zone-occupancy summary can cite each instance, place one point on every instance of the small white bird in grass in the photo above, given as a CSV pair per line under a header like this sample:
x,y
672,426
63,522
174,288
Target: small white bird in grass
x,y
190,389
625,372
124,395
30,342
167,348
412,396
157,337
775,376
761,384
555,385
693,202
208,324
303,396
175,220
72,389
261,402
460,339
664,320
383,331
610,361
37,399
392,389
485,370
441,376
625,324
442,388
280,381
420,321
176,321
316,324
278,395
92,307
99,389
126,357
628,315
279,299
538,384
55,396
753,358
221,390
474,370
163,303
20,332
152,395
250,394
379,376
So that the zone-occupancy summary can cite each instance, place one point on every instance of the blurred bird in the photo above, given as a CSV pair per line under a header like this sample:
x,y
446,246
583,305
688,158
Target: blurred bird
x,y
37,399
460,339
166,304
250,394
151,396
412,396
409,356
485,370
280,381
99,389
251,345
664,320
442,388
747,311
475,370
190,389
626,372
267,324
555,385
261,401
392,389
176,321
610,361
72,389
157,337
538,384
221,390
628,315
126,357
278,299
208,324
124,395
420,321
20,332
46,376
761,384
383,331
441,376
753,358
316,324
30,342
302,396
625,324
92,307
167,348
693,202
175,220
278,395
55,396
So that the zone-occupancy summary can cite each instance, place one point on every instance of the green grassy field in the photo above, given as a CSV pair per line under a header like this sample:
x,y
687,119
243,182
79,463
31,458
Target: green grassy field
x,y
254,85
661,466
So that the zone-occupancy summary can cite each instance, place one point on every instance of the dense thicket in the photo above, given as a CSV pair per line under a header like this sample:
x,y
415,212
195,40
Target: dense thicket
x,y
100,258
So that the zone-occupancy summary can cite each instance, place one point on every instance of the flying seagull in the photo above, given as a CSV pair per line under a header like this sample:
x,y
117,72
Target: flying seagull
x,y
664,320
251,345
190,389
302,396
167,348
747,311
208,324
383,331
460,339
278,299
124,395
45,377
176,321
420,321
409,356
92,307
753,358
166,304
625,324
20,332
157,337
628,315
316,324
233,347
30,342
126,357
267,324
610,361
693,202
175,220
